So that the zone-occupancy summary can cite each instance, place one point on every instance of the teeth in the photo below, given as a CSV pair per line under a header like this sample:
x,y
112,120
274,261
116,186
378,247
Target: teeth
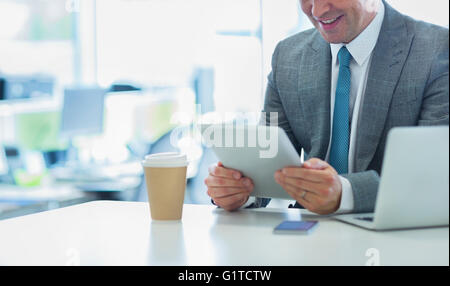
x,y
329,21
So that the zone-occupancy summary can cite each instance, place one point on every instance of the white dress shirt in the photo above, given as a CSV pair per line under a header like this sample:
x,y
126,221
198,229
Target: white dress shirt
x,y
361,49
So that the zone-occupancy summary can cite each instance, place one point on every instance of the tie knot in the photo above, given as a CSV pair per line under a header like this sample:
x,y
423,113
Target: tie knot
x,y
344,57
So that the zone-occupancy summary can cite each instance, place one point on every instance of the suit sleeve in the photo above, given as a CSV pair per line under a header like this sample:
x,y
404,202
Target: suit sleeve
x,y
273,112
435,99
434,110
364,186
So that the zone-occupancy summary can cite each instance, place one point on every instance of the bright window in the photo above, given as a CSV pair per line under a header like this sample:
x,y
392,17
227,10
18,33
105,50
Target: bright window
x,y
36,38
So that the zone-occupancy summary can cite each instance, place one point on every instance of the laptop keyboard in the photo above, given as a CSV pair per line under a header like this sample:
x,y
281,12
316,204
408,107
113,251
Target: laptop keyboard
x,y
366,218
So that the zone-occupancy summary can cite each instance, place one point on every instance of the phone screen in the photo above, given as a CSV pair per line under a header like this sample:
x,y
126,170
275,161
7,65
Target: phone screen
x,y
295,226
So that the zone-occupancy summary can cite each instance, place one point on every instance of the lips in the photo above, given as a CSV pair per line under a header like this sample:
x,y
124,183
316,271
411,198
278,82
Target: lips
x,y
331,23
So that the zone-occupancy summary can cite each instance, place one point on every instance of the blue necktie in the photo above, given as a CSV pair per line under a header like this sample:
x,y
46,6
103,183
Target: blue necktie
x,y
340,135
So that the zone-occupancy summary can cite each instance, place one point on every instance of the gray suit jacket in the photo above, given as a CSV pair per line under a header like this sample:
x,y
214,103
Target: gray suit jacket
x,y
407,85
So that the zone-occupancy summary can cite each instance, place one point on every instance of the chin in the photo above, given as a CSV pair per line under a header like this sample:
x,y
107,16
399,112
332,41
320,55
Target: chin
x,y
337,36
332,39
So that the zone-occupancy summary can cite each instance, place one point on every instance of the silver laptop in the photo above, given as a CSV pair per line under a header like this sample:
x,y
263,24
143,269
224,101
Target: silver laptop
x,y
414,184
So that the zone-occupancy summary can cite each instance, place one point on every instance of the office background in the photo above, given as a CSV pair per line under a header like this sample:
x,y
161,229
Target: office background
x,y
88,87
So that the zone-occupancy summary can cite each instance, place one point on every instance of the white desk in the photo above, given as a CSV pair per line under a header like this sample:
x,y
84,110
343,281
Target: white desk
x,y
121,233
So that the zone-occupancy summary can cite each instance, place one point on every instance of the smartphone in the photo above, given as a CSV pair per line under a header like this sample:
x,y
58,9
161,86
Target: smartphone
x,y
295,227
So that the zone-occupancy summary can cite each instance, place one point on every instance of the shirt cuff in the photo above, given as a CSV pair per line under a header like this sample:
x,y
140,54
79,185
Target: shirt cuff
x,y
346,205
250,202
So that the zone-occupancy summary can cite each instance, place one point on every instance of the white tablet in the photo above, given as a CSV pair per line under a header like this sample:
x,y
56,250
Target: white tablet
x,y
257,151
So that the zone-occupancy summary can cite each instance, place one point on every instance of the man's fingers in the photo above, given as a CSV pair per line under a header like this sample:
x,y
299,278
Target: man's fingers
x,y
296,187
220,171
320,189
315,163
212,181
306,202
297,193
312,175
231,202
223,192
312,187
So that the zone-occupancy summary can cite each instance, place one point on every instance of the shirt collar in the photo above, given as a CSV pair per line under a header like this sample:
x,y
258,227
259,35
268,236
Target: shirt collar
x,y
362,46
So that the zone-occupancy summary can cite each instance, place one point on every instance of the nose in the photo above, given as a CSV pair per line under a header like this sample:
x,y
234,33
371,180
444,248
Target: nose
x,y
320,8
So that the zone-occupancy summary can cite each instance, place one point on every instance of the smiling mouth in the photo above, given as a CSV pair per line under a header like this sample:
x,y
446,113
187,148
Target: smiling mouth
x,y
329,25
329,21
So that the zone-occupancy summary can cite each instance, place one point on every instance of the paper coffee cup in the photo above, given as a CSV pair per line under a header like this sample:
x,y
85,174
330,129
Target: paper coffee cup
x,y
165,176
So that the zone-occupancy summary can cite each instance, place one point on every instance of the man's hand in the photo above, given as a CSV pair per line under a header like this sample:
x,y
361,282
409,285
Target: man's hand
x,y
315,185
227,187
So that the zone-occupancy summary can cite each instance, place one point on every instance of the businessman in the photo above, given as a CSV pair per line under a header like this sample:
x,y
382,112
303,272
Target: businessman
x,y
338,89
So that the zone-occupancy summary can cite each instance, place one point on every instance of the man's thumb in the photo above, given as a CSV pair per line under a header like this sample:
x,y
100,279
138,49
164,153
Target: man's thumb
x,y
315,164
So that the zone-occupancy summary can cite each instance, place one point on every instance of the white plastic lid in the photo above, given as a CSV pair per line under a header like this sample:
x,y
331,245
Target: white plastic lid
x,y
165,160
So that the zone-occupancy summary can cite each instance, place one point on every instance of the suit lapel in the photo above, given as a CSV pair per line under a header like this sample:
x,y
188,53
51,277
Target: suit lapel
x,y
314,85
388,58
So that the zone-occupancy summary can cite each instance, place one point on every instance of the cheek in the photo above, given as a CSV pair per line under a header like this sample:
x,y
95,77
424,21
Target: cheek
x,y
306,7
351,26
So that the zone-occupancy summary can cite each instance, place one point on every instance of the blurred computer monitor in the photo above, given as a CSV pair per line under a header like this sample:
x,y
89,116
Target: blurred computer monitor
x,y
20,87
82,112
